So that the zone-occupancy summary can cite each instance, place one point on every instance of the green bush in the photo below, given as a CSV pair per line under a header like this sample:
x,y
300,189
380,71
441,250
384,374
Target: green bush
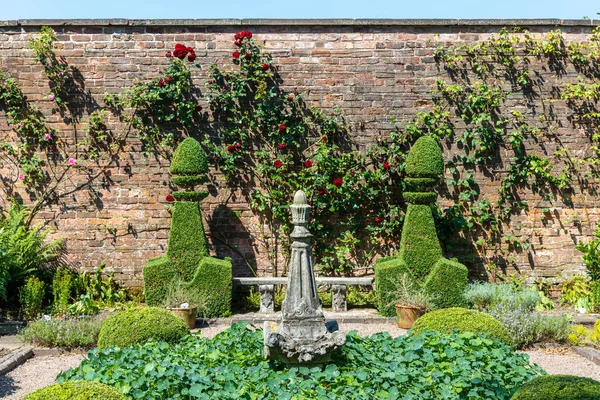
x,y
591,255
31,298
187,241
425,159
188,181
61,290
76,390
420,197
189,159
447,283
139,324
484,295
463,320
420,184
559,387
65,333
595,295
189,196
158,274
231,366
419,246
387,271
213,280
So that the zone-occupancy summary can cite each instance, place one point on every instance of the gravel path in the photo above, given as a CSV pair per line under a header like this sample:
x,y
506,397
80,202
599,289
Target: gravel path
x,y
36,373
41,371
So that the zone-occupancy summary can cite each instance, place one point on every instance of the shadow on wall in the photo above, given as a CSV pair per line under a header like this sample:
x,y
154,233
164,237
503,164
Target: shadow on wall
x,y
231,239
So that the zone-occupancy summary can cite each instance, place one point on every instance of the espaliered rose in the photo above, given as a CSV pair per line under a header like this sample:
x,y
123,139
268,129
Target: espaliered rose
x,y
378,219
282,146
282,128
198,108
241,35
72,161
170,198
169,54
182,51
338,182
235,55
386,166
324,139
238,145
308,164
161,82
231,148
265,67
322,191
248,56
277,164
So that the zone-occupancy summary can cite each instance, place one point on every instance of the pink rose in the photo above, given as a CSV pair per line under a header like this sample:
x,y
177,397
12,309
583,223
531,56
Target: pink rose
x,y
21,177
51,97
47,137
72,161
21,123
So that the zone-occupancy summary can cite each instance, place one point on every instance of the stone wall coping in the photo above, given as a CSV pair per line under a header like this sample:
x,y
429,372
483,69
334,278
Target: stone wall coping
x,y
320,281
298,22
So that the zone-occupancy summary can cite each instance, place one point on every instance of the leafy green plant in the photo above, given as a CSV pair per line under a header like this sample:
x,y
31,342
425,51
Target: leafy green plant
x,y
98,287
84,306
62,285
574,290
231,366
66,333
559,387
591,255
76,390
31,297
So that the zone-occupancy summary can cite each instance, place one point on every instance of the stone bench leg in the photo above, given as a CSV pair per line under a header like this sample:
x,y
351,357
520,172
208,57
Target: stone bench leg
x,y
267,303
338,298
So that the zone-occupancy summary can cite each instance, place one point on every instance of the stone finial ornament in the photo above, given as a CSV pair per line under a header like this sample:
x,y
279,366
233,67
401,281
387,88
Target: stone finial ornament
x,y
302,336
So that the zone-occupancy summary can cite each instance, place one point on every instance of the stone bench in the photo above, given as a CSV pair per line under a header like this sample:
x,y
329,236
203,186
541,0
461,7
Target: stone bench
x,y
266,289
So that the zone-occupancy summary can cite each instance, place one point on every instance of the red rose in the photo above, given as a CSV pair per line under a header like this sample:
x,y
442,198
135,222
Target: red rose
x,y
308,164
238,42
180,51
247,56
338,182
282,127
238,145
198,108
231,148
322,191
352,172
238,36
161,82
378,219
277,164
282,146
248,35
170,198
169,54
236,54
265,67
324,139
168,79
386,165
192,56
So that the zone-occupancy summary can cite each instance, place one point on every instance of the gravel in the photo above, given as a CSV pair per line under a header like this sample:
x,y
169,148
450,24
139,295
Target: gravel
x,y
41,371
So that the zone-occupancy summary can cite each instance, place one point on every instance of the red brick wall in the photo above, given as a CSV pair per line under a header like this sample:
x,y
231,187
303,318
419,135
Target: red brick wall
x,y
366,68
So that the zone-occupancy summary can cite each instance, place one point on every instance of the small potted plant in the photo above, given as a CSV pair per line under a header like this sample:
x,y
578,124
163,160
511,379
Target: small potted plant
x,y
184,302
410,300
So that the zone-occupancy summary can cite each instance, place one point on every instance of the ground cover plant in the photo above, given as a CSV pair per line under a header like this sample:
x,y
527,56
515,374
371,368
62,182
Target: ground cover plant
x,y
79,390
432,365
67,333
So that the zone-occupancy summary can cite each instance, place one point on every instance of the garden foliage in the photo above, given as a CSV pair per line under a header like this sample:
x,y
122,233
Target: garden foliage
x,y
231,366
463,320
559,387
187,255
66,333
138,325
420,251
76,390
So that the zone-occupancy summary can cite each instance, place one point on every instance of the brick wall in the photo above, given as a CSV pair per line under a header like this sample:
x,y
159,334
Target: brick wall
x,y
364,67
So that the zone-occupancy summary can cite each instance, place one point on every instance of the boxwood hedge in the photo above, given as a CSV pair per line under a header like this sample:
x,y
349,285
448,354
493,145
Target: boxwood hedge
x,y
559,387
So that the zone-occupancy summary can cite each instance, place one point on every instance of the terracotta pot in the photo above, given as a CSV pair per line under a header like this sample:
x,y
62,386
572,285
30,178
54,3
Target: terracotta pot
x,y
187,314
407,315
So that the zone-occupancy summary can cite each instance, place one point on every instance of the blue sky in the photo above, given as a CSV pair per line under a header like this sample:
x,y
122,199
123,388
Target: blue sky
x,y
28,9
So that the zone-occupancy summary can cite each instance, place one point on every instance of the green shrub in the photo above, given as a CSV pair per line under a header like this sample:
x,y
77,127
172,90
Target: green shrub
x,y
189,159
420,184
187,241
420,197
591,255
231,366
463,320
447,283
484,295
76,390
387,271
4,276
158,275
188,181
595,295
139,324
213,281
425,159
189,196
419,246
61,290
31,298
66,333
559,387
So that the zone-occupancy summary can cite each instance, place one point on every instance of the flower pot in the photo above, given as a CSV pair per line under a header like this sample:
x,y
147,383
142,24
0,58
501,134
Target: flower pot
x,y
407,315
187,314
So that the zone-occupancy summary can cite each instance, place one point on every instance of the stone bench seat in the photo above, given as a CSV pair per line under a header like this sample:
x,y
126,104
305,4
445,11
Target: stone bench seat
x,y
266,289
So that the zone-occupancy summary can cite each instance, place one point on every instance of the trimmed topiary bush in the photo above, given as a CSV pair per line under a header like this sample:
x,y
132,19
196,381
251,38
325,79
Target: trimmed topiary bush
x,y
559,387
463,320
189,159
425,159
386,272
447,283
187,256
76,390
139,324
